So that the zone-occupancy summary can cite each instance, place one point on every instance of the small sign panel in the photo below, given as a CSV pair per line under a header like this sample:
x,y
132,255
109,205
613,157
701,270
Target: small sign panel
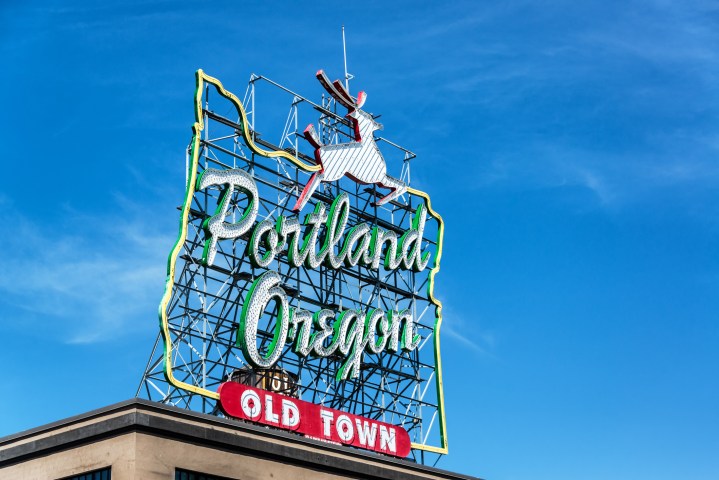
x,y
311,420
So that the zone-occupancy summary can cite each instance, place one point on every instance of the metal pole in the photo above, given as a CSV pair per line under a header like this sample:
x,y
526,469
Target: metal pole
x,y
344,52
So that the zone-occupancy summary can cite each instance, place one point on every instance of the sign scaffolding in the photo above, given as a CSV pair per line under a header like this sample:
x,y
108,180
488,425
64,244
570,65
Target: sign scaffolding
x,y
302,261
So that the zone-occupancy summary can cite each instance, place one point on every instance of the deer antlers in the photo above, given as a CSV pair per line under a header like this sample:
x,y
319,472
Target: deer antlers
x,y
340,93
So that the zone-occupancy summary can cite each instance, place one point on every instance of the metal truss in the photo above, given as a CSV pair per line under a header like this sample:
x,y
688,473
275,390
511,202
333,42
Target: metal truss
x,y
206,301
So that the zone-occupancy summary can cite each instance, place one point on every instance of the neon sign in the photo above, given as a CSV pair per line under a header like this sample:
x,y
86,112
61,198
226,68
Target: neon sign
x,y
311,420
316,263
349,332
359,159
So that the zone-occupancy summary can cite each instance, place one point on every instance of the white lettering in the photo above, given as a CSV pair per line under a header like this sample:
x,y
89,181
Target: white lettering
x,y
345,429
266,229
290,413
387,439
371,246
270,416
251,405
336,222
327,417
301,321
367,432
355,332
325,331
313,259
216,227
263,290
353,339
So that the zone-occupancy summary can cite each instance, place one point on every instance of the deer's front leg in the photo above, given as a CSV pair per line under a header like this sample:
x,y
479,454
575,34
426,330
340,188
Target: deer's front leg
x,y
309,189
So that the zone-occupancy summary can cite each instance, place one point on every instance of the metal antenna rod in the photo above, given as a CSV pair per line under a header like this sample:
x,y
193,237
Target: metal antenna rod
x,y
344,51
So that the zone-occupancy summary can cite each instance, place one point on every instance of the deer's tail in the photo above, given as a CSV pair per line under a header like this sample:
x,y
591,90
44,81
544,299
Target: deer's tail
x,y
312,137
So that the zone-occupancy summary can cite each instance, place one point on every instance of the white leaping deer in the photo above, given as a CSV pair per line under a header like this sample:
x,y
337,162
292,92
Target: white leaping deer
x,y
360,159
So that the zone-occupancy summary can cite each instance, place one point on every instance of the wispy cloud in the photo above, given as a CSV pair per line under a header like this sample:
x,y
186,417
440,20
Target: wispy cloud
x,y
661,32
674,164
624,104
468,335
95,279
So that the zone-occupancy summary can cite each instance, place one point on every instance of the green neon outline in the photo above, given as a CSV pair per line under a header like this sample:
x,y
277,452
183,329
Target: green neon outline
x,y
379,339
319,329
330,221
221,208
253,245
197,128
298,334
307,235
240,342
404,342
338,323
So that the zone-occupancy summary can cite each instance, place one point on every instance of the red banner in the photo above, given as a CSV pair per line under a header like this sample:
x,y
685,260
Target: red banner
x,y
312,420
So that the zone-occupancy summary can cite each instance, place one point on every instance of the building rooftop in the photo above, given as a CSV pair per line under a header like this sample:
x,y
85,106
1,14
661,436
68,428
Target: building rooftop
x,y
142,439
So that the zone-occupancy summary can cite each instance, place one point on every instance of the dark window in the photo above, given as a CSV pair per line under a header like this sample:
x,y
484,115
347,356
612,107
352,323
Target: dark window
x,y
102,474
188,475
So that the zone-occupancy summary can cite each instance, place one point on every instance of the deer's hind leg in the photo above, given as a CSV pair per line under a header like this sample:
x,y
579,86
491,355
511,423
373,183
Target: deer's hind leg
x,y
309,189
397,187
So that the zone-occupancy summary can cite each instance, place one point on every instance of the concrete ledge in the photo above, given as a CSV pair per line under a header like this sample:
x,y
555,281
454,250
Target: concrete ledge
x,y
159,420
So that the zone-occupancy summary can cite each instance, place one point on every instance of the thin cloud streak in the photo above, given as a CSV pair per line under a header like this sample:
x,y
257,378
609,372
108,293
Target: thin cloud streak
x,y
644,76
85,287
479,342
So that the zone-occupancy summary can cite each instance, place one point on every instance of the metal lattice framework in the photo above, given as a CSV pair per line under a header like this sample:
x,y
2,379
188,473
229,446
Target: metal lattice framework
x,y
196,349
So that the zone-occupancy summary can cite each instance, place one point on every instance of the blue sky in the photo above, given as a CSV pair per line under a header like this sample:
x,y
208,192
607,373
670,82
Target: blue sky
x,y
573,151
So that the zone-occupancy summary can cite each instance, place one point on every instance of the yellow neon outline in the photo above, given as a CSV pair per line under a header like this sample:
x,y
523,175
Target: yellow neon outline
x,y
438,324
197,128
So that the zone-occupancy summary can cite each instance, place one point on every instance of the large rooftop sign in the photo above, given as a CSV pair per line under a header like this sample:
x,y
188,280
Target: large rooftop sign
x,y
303,257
